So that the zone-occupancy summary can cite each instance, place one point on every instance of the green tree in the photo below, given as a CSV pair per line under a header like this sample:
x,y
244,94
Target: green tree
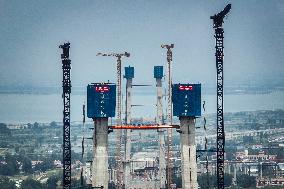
x,y
207,181
246,181
53,124
45,165
76,183
30,125
5,183
273,187
27,165
36,125
230,153
52,182
228,179
75,156
10,167
111,185
31,184
4,130
17,148
177,181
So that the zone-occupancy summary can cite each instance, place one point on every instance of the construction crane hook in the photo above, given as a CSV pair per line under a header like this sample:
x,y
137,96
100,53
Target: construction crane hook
x,y
218,19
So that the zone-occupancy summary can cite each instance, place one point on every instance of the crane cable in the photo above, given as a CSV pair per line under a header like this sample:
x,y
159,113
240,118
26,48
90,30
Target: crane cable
x,y
83,140
206,144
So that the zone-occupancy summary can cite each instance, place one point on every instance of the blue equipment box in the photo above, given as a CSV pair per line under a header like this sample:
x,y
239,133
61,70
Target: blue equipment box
x,y
186,100
101,100
158,72
129,72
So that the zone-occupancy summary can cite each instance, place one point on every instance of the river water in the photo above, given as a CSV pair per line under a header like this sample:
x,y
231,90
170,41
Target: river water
x,y
30,108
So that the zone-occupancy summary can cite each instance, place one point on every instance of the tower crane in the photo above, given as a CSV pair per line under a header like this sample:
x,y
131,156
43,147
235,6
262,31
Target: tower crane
x,y
217,25
170,117
66,86
118,110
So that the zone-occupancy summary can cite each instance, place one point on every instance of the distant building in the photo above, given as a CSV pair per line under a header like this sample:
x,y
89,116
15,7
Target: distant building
x,y
17,126
34,163
57,163
261,182
261,156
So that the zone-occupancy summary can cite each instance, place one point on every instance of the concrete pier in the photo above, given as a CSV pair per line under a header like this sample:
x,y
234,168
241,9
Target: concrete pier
x,y
129,75
161,134
188,152
158,74
100,153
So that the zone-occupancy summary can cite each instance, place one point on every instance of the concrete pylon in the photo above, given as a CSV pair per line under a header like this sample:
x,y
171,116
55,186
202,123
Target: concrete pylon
x,y
260,170
188,152
235,174
158,74
161,133
100,153
129,74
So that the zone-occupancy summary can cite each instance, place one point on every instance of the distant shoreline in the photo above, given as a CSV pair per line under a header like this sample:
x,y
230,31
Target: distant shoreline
x,y
149,119
145,91
31,107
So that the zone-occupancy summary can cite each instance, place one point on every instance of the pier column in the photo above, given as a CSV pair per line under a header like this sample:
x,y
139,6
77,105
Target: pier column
x,y
158,74
100,153
129,75
235,174
188,152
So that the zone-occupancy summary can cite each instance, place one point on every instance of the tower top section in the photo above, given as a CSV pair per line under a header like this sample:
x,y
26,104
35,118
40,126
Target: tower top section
x,y
218,19
129,72
158,72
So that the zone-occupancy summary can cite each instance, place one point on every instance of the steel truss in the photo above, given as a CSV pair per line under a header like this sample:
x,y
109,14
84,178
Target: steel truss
x,y
66,85
220,102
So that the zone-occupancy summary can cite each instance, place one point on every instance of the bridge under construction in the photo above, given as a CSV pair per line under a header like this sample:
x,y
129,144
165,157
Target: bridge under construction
x,y
104,101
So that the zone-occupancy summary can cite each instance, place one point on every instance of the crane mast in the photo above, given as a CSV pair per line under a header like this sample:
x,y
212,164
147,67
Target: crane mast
x,y
118,72
118,113
219,47
66,85
158,74
170,117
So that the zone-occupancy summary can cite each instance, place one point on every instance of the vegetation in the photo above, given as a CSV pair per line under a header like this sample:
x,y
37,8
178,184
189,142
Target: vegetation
x,y
52,182
210,181
206,181
4,130
273,187
111,185
43,142
177,181
9,165
31,184
246,181
26,165
5,183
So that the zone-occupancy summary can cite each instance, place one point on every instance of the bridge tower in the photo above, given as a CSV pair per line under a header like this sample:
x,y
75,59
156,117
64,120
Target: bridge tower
x,y
101,99
158,74
187,106
129,75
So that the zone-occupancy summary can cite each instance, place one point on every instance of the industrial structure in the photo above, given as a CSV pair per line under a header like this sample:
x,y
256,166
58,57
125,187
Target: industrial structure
x,y
129,75
169,109
118,113
187,106
66,85
218,20
158,74
101,99
104,100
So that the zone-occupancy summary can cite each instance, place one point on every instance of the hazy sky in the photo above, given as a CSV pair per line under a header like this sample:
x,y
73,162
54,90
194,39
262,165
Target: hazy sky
x,y
32,30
